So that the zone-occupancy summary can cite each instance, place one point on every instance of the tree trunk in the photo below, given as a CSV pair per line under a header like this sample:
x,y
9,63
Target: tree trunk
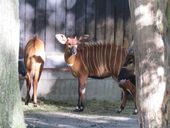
x,y
151,50
11,114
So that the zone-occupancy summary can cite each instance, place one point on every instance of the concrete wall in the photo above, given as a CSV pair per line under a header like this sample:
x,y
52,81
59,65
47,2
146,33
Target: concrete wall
x,y
60,85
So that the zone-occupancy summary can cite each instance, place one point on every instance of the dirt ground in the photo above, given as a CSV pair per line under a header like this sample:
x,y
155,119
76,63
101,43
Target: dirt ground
x,y
96,115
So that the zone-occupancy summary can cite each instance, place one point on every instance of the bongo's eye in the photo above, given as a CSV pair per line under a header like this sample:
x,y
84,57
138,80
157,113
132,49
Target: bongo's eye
x,y
69,45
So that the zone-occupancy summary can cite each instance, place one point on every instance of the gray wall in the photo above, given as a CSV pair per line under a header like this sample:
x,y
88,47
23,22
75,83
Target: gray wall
x,y
62,86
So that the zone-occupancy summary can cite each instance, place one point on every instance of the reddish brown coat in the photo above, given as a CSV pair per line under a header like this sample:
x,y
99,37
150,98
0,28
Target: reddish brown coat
x,y
97,60
34,61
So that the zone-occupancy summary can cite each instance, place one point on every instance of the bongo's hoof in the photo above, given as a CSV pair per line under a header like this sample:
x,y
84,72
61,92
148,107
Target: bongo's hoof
x,y
35,105
135,112
119,111
79,109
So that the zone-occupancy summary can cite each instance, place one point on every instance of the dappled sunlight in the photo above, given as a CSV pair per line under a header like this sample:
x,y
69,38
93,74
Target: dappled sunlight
x,y
159,41
52,3
17,111
74,120
157,97
70,23
95,118
73,17
110,29
71,3
30,12
50,37
160,71
159,44
97,114
145,15
51,20
92,116
54,59
152,77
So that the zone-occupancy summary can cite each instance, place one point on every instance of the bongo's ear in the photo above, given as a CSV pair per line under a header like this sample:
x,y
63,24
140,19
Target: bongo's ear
x,y
61,38
84,38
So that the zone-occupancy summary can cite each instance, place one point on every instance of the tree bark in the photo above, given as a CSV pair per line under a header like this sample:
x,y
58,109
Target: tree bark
x,y
167,100
11,113
151,50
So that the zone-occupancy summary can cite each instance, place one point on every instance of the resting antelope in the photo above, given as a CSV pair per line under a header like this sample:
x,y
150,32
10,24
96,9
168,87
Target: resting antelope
x,y
34,61
96,60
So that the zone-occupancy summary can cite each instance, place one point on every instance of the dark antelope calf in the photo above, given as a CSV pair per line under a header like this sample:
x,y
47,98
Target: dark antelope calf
x,y
34,61
126,79
21,66
96,60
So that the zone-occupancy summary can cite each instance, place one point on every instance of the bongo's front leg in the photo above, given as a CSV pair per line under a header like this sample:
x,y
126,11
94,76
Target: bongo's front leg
x,y
81,92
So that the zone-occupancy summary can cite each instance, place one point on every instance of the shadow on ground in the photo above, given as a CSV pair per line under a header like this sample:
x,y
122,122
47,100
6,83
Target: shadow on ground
x,y
96,115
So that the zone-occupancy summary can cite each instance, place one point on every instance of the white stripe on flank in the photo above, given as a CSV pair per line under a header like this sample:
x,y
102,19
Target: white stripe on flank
x,y
105,56
101,59
86,56
115,59
110,58
120,63
95,59
89,60
98,58
92,60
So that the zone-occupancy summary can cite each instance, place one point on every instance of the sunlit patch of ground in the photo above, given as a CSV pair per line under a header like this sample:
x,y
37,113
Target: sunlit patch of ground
x,y
91,107
96,114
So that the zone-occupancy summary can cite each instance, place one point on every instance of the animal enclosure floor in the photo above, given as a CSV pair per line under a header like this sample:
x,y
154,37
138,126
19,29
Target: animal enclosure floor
x,y
96,115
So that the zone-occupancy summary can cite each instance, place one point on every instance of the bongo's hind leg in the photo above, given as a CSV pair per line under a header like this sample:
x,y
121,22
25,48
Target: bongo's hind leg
x,y
28,84
123,100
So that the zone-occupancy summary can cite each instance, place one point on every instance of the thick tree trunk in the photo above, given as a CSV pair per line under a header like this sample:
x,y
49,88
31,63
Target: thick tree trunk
x,y
150,36
11,114
166,104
